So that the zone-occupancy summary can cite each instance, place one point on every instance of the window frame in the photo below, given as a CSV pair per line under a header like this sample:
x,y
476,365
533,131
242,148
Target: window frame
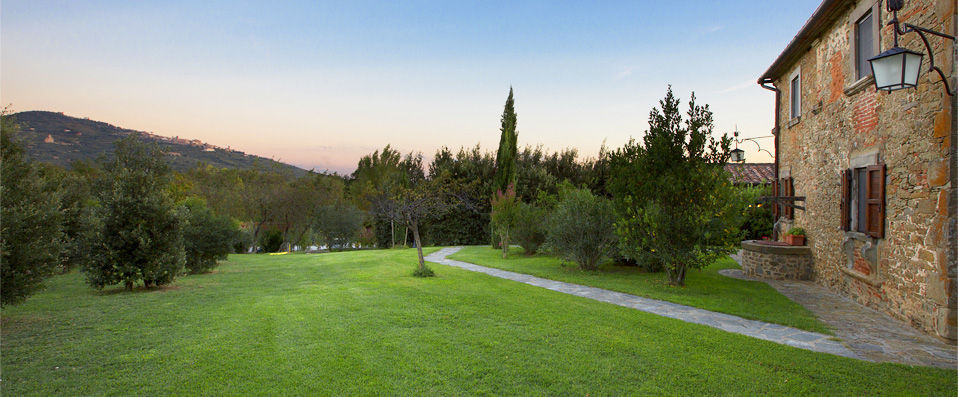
x,y
795,98
863,201
874,8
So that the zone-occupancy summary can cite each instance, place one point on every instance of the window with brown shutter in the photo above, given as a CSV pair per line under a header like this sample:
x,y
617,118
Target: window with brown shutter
x,y
874,201
846,199
775,204
789,191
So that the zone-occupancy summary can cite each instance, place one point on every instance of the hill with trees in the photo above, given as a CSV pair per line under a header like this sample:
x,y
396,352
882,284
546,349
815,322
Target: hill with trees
x,y
55,138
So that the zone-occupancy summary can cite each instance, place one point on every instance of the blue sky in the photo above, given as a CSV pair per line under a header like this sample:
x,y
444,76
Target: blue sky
x,y
320,84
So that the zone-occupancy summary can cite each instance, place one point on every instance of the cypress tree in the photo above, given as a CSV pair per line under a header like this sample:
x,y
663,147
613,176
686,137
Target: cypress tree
x,y
506,156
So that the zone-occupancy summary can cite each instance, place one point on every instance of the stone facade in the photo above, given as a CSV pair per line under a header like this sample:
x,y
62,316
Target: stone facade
x,y
910,273
776,262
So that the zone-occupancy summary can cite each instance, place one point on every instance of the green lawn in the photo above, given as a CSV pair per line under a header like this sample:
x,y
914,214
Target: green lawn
x,y
357,323
706,288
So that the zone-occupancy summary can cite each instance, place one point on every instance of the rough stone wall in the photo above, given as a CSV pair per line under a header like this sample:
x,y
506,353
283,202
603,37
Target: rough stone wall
x,y
776,266
910,273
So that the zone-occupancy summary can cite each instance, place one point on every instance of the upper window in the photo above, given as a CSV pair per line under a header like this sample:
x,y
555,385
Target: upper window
x,y
864,45
864,26
795,93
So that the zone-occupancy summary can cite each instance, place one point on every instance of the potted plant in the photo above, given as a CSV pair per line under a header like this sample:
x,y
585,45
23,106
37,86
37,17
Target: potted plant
x,y
795,236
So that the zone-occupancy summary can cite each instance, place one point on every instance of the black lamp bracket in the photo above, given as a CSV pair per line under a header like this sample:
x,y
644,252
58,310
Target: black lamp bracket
x,y
738,141
905,28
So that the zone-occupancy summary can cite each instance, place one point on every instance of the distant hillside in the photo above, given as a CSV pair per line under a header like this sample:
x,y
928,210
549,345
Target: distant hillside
x,y
59,139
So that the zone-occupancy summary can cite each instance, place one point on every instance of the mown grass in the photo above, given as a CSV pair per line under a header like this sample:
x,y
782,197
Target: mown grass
x,y
706,288
358,323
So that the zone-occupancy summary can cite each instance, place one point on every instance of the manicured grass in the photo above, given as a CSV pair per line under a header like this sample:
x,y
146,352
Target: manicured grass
x,y
357,323
706,288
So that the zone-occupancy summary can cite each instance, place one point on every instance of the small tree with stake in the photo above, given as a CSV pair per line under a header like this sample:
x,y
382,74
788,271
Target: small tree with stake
x,y
419,201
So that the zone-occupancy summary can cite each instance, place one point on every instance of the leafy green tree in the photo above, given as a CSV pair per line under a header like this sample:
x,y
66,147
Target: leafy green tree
x,y
412,205
506,155
207,237
141,238
581,228
505,215
271,240
529,230
30,221
339,224
80,222
757,216
676,204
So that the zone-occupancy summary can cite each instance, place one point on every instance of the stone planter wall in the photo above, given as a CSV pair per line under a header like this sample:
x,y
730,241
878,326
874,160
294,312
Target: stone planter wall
x,y
776,262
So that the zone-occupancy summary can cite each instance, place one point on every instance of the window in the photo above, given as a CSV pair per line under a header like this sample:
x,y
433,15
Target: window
x,y
795,94
863,200
784,187
864,27
864,45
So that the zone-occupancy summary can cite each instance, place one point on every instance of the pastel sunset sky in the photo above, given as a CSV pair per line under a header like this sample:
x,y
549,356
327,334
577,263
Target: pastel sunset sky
x,y
319,84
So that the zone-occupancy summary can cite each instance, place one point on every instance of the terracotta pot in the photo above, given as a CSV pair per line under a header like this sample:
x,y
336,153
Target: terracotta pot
x,y
795,240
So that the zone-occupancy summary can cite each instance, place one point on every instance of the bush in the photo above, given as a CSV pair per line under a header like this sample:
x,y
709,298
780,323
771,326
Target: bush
x,y
423,271
30,236
675,202
141,237
757,217
505,208
339,224
529,229
271,241
581,228
207,237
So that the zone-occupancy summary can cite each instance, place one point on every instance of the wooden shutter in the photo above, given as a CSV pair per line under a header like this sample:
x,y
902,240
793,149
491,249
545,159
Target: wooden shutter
x,y
846,199
790,191
875,201
775,205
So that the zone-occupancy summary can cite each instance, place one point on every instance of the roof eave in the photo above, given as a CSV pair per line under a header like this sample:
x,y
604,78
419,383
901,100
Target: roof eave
x,y
821,19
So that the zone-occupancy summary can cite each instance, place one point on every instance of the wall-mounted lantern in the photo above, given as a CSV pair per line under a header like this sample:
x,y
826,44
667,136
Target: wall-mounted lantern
x,y
898,67
738,155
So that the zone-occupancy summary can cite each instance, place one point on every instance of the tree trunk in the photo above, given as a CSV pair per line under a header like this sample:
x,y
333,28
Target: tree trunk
x,y
392,233
505,245
677,276
405,237
129,285
415,236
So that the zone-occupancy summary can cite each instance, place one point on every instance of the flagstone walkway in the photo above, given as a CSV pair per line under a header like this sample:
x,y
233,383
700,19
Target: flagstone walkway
x,y
872,335
757,329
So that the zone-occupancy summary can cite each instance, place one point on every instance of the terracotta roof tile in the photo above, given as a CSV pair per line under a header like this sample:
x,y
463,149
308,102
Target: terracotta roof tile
x,y
751,173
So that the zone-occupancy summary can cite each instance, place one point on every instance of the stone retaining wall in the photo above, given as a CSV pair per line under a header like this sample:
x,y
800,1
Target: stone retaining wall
x,y
776,262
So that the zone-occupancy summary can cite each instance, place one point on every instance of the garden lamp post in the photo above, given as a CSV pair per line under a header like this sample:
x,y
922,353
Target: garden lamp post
x,y
898,67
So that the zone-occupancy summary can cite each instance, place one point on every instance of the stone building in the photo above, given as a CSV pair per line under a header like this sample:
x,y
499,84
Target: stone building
x,y
877,169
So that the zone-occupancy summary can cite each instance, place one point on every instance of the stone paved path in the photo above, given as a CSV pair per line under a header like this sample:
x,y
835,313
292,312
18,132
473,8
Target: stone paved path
x,y
757,329
872,335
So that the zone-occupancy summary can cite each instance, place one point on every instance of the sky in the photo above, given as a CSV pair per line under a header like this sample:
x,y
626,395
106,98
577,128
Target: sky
x,y
320,84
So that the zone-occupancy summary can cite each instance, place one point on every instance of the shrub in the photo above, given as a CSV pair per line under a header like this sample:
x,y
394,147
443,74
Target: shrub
x,y
141,237
30,236
675,203
581,228
505,208
757,217
529,229
207,237
796,231
339,224
423,271
271,241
